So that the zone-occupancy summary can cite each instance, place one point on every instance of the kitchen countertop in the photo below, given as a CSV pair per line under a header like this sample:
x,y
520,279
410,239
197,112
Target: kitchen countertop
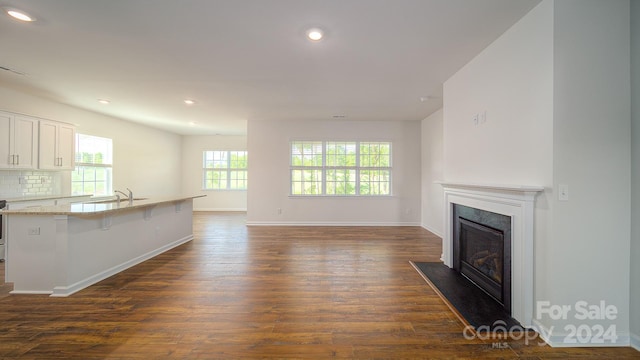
x,y
40,198
89,208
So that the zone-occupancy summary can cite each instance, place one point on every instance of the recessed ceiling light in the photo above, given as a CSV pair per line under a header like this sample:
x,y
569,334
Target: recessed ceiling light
x,y
339,116
315,34
189,102
104,101
20,15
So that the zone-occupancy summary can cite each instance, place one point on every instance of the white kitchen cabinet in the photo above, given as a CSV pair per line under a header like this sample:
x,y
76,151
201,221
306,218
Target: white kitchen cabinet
x,y
18,141
57,148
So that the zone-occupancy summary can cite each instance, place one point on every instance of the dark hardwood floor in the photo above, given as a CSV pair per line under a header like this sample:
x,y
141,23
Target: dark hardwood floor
x,y
263,292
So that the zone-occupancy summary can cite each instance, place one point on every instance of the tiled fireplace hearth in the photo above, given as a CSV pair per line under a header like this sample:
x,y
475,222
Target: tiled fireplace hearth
x,y
515,202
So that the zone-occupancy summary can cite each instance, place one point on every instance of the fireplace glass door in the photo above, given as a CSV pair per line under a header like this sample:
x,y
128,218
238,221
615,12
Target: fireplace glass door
x,y
482,257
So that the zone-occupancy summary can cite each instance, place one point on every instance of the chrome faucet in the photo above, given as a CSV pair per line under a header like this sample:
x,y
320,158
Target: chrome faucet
x,y
129,196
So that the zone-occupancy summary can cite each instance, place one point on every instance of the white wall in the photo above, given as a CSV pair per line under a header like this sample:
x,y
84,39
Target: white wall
x,y
146,160
512,80
592,156
192,148
635,175
432,193
555,88
268,146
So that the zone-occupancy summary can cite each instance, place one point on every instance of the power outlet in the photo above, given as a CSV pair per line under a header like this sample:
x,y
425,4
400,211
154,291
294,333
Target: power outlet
x,y
34,231
563,192
22,180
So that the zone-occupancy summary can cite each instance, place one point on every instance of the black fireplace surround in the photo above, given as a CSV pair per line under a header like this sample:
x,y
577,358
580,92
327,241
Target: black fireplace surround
x,y
482,250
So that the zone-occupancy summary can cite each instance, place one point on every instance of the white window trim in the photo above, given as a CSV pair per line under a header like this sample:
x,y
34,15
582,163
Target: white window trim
x,y
78,163
325,167
227,169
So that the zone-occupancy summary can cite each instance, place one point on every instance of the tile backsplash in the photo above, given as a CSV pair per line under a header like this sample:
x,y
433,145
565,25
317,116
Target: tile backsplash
x,y
28,183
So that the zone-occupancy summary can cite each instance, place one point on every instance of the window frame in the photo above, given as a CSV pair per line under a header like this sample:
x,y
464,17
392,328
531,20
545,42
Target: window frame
x,y
325,189
83,165
230,173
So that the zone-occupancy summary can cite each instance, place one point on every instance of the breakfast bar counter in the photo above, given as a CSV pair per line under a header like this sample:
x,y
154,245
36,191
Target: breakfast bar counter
x,y
59,250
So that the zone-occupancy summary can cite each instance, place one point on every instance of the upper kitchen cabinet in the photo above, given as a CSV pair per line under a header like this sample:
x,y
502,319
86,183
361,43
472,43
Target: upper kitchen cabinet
x,y
18,141
57,149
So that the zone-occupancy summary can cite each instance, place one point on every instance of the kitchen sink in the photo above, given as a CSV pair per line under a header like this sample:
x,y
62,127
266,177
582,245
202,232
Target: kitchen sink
x,y
109,201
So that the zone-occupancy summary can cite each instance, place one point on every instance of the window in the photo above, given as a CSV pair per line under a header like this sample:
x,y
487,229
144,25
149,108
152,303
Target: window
x,y
92,175
306,171
375,168
224,170
340,168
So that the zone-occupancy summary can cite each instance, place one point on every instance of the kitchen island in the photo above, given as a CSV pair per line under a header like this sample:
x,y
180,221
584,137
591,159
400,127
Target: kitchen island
x,y
59,250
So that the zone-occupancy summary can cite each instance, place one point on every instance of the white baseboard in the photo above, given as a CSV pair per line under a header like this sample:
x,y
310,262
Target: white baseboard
x,y
221,209
635,341
306,223
63,291
428,228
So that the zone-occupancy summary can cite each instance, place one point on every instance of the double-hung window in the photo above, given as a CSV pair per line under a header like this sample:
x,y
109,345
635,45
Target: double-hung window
x,y
224,170
94,163
306,167
340,168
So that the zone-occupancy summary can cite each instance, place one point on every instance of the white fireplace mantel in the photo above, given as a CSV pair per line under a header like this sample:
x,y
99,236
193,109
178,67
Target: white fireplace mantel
x,y
515,201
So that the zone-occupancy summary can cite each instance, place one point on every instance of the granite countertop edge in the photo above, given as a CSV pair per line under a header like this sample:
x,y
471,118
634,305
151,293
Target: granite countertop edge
x,y
89,208
41,198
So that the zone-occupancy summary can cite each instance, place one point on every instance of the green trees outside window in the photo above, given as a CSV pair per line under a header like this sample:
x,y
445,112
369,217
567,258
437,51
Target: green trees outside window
x,y
340,168
225,170
92,175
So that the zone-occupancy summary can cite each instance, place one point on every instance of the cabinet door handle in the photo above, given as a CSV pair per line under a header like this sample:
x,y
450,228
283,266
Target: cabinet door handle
x,y
18,159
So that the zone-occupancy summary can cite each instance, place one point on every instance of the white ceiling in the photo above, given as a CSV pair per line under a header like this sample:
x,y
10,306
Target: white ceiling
x,y
247,59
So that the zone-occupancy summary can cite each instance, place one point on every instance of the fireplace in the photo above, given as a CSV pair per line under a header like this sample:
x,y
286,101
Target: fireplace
x,y
482,251
517,203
